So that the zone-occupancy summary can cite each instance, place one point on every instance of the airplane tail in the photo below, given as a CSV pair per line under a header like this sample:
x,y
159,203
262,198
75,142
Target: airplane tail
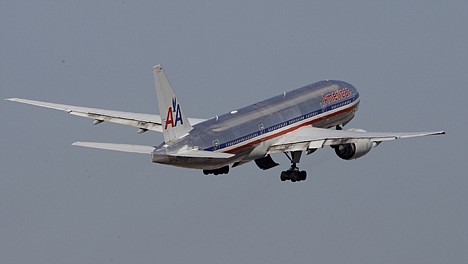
x,y
174,121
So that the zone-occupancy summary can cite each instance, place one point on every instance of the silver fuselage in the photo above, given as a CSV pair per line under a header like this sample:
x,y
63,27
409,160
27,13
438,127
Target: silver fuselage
x,y
249,132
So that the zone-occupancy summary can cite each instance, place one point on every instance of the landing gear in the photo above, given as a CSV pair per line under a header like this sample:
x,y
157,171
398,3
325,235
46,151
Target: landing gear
x,y
294,174
223,170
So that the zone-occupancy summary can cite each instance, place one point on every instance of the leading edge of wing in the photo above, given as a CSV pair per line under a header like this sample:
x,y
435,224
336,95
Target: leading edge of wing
x,y
140,120
312,137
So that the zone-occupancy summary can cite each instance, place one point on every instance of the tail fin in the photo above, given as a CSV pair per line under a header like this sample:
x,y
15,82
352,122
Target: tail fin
x,y
174,121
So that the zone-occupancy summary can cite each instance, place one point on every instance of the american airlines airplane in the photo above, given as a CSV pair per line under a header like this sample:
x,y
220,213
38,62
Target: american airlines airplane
x,y
292,123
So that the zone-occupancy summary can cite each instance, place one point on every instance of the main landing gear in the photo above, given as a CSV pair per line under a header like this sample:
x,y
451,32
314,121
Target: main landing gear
x,y
223,170
294,174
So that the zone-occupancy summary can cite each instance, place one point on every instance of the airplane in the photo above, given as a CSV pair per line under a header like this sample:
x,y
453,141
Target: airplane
x,y
291,123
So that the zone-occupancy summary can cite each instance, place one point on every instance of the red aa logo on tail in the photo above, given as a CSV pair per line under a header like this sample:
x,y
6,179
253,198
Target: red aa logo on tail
x,y
174,109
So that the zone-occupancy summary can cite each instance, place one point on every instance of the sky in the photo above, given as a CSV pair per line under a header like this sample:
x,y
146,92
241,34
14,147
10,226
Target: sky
x,y
404,202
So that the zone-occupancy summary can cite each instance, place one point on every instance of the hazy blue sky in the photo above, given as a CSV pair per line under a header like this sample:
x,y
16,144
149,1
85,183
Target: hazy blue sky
x,y
405,202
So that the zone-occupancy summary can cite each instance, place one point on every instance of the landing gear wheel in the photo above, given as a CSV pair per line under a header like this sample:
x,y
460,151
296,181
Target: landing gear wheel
x,y
284,176
294,177
223,170
303,175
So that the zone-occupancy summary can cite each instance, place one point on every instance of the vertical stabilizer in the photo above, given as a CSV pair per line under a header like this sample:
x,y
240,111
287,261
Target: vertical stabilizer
x,y
174,121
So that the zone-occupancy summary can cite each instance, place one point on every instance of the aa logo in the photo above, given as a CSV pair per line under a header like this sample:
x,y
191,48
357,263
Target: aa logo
x,y
171,111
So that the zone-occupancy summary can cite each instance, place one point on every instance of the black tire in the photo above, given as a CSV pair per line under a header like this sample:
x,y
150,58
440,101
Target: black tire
x,y
287,175
303,175
293,176
283,176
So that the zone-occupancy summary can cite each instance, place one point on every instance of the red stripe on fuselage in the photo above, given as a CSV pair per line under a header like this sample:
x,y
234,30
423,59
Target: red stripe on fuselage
x,y
292,128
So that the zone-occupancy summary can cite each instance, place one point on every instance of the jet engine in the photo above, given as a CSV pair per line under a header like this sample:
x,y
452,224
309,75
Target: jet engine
x,y
354,150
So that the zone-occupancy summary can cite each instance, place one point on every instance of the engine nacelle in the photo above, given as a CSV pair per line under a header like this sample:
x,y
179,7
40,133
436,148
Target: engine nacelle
x,y
354,150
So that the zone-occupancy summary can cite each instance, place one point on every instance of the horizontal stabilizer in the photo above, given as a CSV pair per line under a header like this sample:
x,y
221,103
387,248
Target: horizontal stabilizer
x,y
202,154
117,147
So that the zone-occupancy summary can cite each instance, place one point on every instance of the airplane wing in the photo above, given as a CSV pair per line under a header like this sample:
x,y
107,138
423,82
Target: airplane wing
x,y
143,121
310,137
